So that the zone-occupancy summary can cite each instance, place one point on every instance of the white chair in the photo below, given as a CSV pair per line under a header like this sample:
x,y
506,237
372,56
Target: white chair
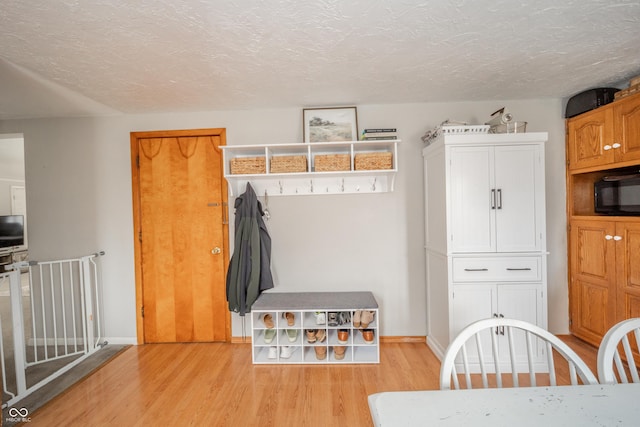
x,y
609,360
516,333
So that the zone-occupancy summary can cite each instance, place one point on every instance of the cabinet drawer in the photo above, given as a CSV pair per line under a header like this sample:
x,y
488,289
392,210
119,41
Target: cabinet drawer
x,y
507,269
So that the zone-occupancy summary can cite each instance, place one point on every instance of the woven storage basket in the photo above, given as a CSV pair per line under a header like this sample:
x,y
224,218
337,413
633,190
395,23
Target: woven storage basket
x,y
248,165
332,162
373,161
280,164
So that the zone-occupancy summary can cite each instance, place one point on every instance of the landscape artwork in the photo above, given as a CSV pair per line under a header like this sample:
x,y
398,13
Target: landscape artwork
x,y
330,124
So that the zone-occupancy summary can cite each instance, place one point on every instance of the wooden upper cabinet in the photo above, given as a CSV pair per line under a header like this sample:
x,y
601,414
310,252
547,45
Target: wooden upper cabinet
x,y
626,115
590,139
606,135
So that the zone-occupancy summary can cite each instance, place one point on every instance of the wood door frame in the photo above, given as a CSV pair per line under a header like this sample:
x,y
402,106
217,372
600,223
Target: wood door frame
x,y
135,184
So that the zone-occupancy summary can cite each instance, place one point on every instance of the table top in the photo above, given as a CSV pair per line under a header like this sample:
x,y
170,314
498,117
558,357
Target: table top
x,y
583,405
331,301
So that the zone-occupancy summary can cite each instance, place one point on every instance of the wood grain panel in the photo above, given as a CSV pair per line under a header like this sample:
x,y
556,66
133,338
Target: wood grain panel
x,y
627,128
215,384
587,135
180,204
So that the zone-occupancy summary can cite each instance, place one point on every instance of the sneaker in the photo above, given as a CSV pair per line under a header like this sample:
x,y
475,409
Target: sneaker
x,y
339,351
366,318
356,318
285,352
273,352
333,319
367,335
292,334
344,318
320,317
269,335
321,352
311,335
343,336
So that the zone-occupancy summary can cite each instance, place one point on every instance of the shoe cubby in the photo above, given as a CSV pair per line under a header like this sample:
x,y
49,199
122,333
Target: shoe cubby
x,y
314,328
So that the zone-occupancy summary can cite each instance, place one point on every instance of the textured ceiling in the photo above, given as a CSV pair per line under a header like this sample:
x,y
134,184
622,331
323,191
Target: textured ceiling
x,y
96,57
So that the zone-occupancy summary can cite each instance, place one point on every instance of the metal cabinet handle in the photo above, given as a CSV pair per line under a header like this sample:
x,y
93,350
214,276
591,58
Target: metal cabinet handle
x,y
499,198
607,147
493,198
617,238
519,269
476,269
616,145
608,237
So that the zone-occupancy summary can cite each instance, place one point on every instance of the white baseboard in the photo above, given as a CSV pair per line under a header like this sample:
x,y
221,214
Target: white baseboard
x,y
437,349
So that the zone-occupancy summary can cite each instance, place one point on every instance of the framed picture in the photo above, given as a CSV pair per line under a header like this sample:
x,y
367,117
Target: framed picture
x,y
330,124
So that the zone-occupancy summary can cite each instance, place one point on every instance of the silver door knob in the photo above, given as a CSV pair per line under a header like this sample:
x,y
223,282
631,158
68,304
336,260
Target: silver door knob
x,y
216,250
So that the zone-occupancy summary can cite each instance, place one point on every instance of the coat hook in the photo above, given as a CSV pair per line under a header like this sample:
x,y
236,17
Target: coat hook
x,y
373,187
342,185
280,185
311,182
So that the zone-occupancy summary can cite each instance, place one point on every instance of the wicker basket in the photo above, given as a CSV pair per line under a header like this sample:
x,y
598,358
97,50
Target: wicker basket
x,y
287,164
373,161
248,165
332,162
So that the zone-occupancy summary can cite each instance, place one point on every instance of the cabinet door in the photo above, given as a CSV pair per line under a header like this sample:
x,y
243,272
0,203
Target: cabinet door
x,y
472,219
590,139
628,270
593,277
519,186
522,302
626,119
469,304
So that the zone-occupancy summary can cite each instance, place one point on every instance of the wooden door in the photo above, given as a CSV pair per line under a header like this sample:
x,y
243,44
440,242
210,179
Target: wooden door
x,y
628,273
181,236
627,129
593,278
590,139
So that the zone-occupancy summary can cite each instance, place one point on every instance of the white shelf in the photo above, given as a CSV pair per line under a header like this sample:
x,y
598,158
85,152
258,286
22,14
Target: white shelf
x,y
304,306
312,182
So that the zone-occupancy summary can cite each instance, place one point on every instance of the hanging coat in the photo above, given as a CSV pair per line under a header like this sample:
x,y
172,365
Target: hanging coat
x,y
250,267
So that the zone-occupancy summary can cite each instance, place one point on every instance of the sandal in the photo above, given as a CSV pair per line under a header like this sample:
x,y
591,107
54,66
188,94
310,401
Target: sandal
x,y
267,319
291,318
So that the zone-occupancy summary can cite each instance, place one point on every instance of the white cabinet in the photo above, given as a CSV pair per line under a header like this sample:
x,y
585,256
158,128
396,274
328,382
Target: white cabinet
x,y
326,168
485,232
497,193
342,341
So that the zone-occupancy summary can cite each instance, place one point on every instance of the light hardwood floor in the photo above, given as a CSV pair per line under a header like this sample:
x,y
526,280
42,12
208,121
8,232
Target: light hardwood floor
x,y
217,385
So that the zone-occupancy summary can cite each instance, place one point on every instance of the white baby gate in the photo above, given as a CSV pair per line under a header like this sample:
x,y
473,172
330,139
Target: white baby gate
x,y
61,318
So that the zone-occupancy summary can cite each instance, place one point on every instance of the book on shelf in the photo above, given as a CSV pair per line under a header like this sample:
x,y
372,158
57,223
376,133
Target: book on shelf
x,y
379,130
378,138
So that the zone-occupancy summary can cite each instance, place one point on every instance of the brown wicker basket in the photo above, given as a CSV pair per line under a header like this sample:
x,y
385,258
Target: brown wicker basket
x,y
332,162
248,165
287,164
373,161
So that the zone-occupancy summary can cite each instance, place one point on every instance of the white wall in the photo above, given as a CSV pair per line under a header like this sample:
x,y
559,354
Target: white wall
x,y
79,200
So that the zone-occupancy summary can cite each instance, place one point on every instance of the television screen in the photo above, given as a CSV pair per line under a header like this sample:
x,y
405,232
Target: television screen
x,y
11,230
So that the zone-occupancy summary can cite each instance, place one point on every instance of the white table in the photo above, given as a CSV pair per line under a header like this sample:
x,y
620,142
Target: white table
x,y
585,405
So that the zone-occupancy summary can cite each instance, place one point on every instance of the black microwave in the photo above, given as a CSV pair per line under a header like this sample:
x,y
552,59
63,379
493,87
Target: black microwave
x,y
618,195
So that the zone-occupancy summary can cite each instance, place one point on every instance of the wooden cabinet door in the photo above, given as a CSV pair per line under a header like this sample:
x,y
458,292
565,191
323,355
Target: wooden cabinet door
x,y
472,207
593,279
626,115
519,187
590,139
628,270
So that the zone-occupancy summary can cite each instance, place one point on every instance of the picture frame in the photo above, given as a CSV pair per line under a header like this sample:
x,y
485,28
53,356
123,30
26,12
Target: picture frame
x,y
330,124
